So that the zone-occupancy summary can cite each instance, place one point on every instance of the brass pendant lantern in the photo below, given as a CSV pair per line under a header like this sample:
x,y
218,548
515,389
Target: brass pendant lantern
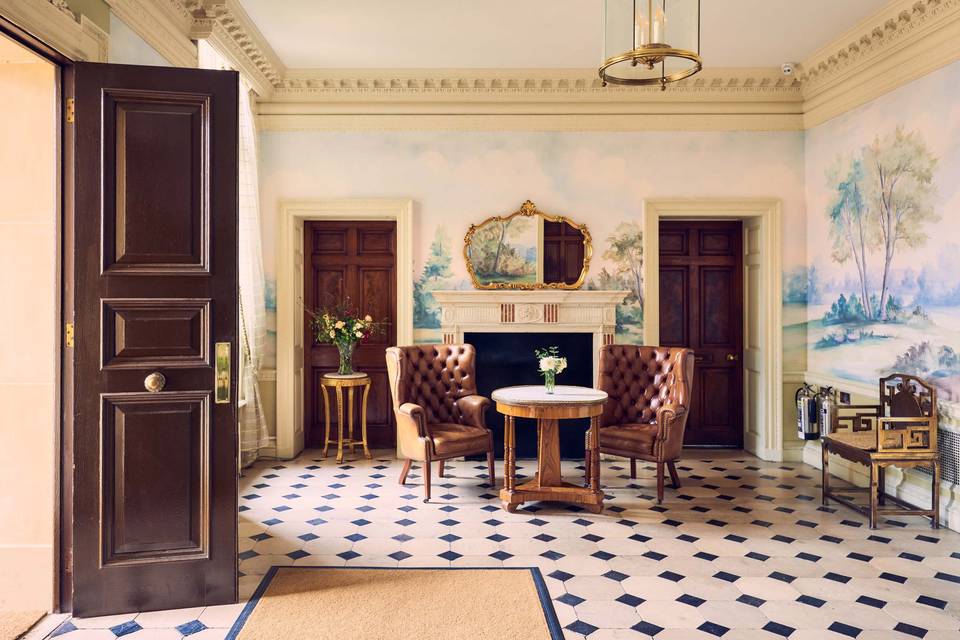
x,y
648,42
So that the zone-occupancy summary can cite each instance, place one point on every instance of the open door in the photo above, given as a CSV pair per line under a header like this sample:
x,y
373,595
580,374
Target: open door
x,y
150,355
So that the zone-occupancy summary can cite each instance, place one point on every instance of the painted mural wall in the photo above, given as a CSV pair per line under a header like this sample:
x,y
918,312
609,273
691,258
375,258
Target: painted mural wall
x,y
601,179
881,283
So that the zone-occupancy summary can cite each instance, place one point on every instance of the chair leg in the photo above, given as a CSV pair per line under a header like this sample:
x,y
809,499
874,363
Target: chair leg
x,y
490,470
427,470
441,469
659,482
633,468
674,476
405,470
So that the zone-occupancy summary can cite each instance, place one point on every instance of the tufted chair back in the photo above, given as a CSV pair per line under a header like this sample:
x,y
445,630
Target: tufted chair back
x,y
434,377
639,380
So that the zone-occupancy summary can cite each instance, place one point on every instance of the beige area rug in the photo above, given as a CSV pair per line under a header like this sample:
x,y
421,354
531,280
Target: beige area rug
x,y
314,603
14,624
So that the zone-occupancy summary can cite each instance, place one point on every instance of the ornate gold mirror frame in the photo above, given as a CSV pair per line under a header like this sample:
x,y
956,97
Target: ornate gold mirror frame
x,y
528,210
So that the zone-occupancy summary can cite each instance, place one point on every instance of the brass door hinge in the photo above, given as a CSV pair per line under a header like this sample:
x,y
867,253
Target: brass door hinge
x,y
68,335
71,110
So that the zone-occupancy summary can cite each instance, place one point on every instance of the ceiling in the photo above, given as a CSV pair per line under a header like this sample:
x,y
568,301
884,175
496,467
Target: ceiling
x,y
495,34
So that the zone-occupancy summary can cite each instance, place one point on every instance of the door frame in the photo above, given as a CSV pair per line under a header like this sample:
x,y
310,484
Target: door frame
x,y
763,399
290,259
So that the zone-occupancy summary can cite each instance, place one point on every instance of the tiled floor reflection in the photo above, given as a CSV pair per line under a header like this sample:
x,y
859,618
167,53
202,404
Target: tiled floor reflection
x,y
743,550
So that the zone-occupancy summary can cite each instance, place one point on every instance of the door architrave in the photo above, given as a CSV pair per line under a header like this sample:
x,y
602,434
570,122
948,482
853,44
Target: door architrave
x,y
290,261
764,216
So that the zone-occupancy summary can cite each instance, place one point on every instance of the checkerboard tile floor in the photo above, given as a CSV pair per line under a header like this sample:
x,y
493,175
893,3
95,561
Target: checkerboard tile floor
x,y
743,550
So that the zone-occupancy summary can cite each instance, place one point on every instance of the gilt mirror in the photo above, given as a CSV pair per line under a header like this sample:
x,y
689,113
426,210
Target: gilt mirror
x,y
527,249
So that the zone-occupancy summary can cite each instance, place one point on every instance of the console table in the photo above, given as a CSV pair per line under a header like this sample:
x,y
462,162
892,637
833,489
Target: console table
x,y
549,408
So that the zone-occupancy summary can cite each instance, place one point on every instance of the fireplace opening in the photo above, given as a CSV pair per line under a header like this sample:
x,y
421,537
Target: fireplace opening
x,y
507,359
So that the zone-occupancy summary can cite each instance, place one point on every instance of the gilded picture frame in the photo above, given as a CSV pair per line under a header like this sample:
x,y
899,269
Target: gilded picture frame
x,y
527,210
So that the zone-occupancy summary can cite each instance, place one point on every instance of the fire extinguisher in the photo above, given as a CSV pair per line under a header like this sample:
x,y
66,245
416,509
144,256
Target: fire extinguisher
x,y
827,402
807,428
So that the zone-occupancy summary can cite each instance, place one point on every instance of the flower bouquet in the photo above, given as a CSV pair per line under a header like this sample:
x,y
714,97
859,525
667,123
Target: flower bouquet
x,y
551,363
342,328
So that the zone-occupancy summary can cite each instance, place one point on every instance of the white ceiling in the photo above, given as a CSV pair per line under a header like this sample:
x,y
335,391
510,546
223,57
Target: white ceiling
x,y
530,33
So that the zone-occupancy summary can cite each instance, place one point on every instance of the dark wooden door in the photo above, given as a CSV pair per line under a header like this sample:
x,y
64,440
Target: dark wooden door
x,y
562,252
150,285
701,307
353,264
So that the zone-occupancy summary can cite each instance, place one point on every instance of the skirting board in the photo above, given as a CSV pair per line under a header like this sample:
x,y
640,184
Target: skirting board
x,y
913,487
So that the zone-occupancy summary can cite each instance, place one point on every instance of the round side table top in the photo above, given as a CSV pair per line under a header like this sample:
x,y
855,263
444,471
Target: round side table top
x,y
527,395
345,376
355,379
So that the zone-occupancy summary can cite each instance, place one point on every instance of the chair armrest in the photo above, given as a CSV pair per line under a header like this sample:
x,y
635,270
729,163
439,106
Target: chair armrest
x,y
671,420
412,417
473,410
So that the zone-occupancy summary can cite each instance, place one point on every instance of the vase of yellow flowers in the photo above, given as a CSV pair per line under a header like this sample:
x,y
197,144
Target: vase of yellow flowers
x,y
344,330
550,363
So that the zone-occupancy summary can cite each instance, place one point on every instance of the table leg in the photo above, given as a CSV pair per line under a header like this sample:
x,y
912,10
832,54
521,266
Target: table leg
x,y
881,485
595,454
824,473
353,447
935,495
326,413
339,425
509,465
363,420
874,471
548,452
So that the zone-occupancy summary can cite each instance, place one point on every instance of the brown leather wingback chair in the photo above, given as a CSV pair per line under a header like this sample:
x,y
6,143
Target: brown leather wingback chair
x,y
649,390
439,414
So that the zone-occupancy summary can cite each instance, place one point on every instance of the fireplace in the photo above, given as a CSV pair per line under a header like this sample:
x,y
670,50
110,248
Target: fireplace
x,y
507,359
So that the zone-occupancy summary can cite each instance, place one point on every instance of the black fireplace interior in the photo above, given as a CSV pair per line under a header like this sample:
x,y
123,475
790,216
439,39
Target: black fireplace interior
x,y
507,359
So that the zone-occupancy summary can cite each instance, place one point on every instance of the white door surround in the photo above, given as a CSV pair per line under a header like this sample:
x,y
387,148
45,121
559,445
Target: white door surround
x,y
763,331
535,311
290,260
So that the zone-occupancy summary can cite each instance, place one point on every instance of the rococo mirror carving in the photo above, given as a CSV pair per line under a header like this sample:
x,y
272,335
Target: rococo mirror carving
x,y
527,249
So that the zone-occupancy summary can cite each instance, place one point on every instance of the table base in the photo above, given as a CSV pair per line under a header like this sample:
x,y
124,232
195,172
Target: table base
x,y
532,491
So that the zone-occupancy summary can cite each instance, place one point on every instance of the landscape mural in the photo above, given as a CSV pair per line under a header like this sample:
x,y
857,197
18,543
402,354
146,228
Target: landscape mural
x,y
459,178
881,288
505,250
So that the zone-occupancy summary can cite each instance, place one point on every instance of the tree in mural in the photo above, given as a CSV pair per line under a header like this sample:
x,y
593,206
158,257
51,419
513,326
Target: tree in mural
x,y
899,181
494,255
848,224
625,251
882,199
435,272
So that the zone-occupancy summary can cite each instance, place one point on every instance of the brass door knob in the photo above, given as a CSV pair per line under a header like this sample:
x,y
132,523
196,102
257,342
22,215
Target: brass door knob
x,y
154,382
732,357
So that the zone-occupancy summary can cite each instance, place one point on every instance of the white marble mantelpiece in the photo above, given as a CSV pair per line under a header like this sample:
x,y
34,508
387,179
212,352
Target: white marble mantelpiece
x,y
534,311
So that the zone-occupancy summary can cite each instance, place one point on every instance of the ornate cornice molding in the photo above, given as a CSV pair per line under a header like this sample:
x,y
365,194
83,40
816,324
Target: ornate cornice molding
x,y
227,24
904,41
55,24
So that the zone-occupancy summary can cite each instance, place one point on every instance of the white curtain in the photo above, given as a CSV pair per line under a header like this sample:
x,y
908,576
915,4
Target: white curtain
x,y
253,426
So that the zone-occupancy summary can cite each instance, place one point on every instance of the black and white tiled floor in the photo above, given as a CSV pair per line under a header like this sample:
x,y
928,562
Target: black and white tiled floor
x,y
743,550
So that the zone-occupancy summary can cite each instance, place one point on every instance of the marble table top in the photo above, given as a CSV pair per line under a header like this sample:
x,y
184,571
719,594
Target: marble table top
x,y
537,394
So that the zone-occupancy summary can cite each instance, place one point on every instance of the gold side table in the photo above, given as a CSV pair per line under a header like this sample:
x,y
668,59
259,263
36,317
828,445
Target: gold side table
x,y
338,383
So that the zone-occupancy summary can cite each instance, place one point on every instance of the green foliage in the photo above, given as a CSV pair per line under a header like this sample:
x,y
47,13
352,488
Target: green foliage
x,y
494,251
625,251
842,336
846,310
801,285
436,271
924,360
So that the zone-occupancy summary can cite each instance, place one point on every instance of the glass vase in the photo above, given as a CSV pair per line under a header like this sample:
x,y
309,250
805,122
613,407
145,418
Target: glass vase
x,y
346,358
550,380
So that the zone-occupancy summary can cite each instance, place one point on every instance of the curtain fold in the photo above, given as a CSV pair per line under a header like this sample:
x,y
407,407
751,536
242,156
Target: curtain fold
x,y
253,425
252,329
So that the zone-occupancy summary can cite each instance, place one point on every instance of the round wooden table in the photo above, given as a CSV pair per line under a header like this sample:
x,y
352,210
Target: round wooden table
x,y
338,383
549,408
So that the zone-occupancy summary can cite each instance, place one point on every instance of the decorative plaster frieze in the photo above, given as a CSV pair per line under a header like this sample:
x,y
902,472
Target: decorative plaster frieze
x,y
53,22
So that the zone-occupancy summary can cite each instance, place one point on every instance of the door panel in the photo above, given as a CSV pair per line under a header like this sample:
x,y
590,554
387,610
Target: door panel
x,y
355,262
150,271
701,307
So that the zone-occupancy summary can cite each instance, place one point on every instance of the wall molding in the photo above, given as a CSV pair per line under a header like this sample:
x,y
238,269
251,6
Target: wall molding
x,y
52,22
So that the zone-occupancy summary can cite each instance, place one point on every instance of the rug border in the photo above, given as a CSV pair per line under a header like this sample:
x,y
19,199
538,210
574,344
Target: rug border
x,y
546,602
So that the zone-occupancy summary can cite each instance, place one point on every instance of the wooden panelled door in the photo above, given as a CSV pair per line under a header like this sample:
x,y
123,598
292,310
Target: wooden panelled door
x,y
150,350
352,264
701,307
